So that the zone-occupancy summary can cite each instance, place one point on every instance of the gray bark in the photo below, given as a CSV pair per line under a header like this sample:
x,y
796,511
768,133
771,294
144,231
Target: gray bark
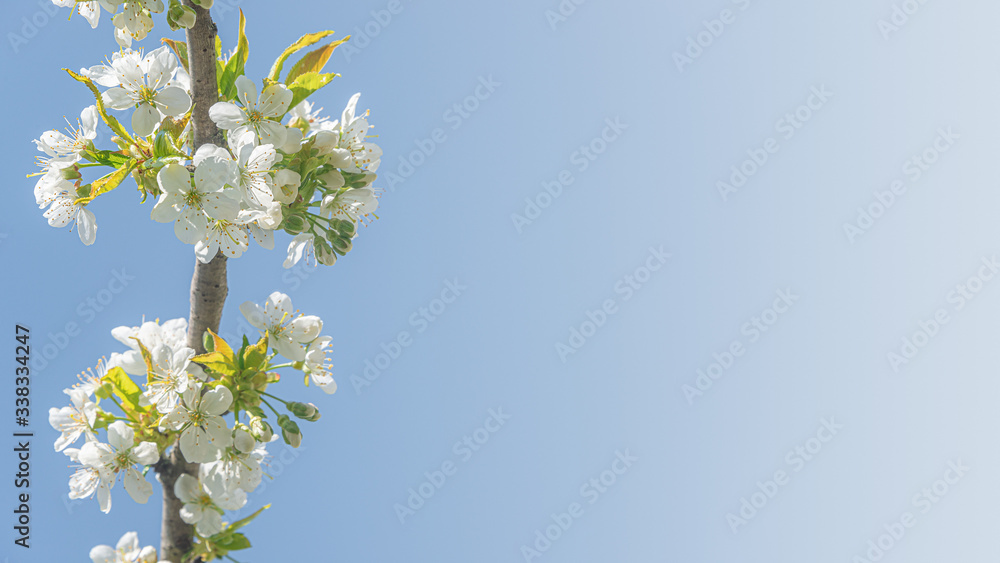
x,y
208,284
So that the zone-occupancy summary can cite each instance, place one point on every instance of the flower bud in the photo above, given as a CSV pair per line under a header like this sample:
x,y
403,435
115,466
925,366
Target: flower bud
x,y
341,245
326,141
364,180
243,441
292,439
294,224
260,429
179,16
71,173
290,431
347,227
324,253
287,183
305,411
332,179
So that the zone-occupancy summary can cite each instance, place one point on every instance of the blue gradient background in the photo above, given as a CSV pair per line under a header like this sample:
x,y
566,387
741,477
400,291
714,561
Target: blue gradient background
x,y
495,346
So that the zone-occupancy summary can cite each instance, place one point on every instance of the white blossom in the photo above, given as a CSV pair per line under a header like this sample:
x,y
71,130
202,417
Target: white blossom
x,y
259,115
286,331
317,364
120,456
204,435
143,84
204,502
169,377
191,206
75,420
126,551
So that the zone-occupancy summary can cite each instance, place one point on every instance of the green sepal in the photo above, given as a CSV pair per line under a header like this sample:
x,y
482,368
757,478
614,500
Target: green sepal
x,y
103,420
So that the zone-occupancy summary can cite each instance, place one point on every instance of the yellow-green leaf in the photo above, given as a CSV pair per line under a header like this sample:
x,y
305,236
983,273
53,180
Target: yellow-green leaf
x,y
234,542
235,65
111,181
114,159
216,363
147,357
180,49
110,121
124,387
306,84
302,43
240,523
221,360
220,344
314,61
254,356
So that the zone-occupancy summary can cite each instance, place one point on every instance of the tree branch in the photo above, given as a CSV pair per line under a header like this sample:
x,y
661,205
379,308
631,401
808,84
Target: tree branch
x,y
208,284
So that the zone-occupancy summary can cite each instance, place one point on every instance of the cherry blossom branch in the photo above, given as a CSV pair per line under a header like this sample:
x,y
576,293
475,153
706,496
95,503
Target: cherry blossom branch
x,y
209,285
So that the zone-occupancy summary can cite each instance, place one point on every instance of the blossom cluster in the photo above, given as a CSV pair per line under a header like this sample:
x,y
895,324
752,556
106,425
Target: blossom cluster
x,y
135,20
127,550
281,167
210,406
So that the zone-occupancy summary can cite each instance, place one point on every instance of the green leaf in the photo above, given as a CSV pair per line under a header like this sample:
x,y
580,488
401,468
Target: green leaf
x,y
234,542
217,363
221,360
124,387
302,43
306,84
314,61
111,181
235,65
113,159
111,121
180,49
254,356
240,523
220,345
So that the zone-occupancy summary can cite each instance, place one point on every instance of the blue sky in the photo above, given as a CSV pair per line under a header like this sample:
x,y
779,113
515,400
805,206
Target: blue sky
x,y
560,181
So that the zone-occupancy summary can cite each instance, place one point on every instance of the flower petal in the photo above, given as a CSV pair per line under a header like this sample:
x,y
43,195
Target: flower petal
x,y
217,401
145,118
173,101
227,115
187,489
